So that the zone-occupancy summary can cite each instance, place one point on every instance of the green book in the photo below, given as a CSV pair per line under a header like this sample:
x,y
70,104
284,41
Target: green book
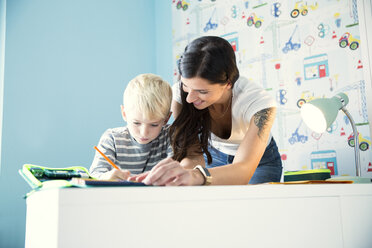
x,y
304,175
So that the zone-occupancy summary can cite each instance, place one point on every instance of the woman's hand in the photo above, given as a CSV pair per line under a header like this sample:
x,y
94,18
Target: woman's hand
x,y
115,175
138,177
169,172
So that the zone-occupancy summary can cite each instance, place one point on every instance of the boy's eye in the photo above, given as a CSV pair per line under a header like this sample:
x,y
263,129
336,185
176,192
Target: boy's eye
x,y
154,125
136,123
203,92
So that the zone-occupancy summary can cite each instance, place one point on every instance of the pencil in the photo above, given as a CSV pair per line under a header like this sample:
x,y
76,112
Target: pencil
x,y
108,160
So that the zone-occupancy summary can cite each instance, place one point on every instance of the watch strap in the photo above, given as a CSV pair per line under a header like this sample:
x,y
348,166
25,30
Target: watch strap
x,y
205,173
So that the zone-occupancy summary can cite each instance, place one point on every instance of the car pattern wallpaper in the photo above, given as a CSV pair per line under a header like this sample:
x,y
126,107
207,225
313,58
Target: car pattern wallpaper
x,y
297,51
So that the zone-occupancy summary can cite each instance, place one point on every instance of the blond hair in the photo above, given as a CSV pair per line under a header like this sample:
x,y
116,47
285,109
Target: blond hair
x,y
148,94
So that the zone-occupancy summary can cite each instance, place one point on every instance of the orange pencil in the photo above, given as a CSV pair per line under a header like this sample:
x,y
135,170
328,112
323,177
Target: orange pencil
x,y
108,160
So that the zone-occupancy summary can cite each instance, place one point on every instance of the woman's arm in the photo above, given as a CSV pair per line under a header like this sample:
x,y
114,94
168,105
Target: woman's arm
x,y
247,158
249,152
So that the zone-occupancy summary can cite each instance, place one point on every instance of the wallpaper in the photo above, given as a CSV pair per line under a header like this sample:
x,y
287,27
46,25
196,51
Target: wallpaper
x,y
298,51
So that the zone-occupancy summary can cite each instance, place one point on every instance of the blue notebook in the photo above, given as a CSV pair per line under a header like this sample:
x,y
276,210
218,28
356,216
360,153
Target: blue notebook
x,y
83,182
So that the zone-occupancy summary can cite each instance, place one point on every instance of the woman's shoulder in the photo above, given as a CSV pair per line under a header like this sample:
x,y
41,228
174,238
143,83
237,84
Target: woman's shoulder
x,y
244,86
176,92
250,97
244,83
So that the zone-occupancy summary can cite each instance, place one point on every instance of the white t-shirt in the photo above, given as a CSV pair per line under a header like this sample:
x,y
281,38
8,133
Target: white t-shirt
x,y
248,99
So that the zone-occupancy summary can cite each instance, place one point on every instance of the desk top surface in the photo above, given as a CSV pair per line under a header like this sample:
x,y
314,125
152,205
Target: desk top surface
x,y
205,193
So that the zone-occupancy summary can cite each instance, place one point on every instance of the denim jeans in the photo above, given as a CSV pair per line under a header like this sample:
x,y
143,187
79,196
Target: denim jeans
x,y
268,170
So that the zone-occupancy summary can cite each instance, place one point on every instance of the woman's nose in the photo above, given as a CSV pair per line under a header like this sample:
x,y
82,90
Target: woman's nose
x,y
191,96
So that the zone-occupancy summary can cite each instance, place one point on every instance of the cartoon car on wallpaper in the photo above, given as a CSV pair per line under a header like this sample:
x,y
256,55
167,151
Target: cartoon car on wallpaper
x,y
280,96
348,40
253,19
363,142
292,45
302,8
182,4
305,97
323,30
275,9
210,25
296,137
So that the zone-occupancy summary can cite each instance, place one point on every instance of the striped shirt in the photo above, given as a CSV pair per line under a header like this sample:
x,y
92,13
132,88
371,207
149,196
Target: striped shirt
x,y
118,145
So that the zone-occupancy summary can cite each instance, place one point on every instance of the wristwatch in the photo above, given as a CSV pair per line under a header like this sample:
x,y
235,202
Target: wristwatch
x,y
205,173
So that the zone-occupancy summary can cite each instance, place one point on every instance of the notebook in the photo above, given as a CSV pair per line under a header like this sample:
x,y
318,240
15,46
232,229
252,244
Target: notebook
x,y
40,177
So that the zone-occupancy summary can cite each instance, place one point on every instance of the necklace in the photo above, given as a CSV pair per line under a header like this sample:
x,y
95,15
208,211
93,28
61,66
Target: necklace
x,y
227,109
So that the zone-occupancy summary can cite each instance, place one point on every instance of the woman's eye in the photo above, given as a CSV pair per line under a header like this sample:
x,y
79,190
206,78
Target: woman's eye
x,y
154,125
136,123
203,92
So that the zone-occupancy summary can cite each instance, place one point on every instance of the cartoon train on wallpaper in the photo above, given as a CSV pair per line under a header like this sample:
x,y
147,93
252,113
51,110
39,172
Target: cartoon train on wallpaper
x,y
348,40
302,8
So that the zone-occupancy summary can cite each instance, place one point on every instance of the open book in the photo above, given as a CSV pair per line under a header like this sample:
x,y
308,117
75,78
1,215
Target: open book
x,y
40,177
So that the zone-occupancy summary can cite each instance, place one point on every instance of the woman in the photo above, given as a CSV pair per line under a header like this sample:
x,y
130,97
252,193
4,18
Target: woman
x,y
221,114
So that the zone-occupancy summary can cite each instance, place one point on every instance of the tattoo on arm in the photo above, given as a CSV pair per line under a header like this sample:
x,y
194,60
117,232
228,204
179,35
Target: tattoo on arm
x,y
261,118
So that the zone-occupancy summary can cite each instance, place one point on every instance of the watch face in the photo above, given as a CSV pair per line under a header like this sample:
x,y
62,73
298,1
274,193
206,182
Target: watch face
x,y
206,172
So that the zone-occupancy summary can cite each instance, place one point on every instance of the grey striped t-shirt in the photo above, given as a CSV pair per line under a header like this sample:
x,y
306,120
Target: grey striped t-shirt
x,y
127,153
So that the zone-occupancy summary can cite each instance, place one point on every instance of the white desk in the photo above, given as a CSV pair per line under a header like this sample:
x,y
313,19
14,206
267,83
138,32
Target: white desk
x,y
215,216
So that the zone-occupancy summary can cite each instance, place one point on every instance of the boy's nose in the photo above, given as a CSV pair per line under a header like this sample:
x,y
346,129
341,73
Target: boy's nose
x,y
144,130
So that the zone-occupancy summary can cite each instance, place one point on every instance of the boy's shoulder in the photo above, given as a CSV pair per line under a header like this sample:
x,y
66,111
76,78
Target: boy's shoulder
x,y
165,130
166,126
117,131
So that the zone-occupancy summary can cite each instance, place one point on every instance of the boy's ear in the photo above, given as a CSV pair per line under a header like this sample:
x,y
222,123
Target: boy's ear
x,y
123,113
229,85
167,119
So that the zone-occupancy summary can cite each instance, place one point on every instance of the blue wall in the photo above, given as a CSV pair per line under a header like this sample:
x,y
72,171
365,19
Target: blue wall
x,y
2,58
66,66
163,20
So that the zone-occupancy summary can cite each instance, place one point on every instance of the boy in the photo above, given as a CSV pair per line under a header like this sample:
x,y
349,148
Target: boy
x,y
144,142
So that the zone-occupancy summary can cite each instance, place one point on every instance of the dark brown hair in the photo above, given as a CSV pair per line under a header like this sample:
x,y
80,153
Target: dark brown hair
x,y
211,58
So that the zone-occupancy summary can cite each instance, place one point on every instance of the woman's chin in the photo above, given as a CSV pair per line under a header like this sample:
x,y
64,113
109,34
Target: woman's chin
x,y
199,106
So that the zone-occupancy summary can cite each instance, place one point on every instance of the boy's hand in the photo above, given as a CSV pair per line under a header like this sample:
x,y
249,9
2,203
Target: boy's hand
x,y
115,175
